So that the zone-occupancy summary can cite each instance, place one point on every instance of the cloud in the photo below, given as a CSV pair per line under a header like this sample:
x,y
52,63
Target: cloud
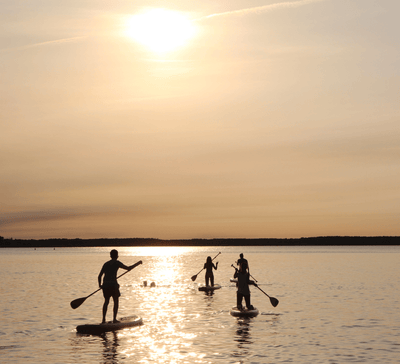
x,y
263,9
35,216
50,42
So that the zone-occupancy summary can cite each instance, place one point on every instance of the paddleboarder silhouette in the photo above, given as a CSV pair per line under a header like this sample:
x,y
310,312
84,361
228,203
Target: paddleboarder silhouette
x,y
208,266
242,260
243,291
110,285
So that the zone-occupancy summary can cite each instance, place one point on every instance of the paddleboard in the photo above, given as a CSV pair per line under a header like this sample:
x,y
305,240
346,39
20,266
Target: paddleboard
x,y
96,329
233,280
244,313
205,288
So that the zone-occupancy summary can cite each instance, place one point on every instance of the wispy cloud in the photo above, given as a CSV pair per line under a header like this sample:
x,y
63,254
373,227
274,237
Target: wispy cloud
x,y
263,9
48,43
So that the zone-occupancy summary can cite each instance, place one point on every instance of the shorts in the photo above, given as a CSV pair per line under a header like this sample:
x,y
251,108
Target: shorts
x,y
111,290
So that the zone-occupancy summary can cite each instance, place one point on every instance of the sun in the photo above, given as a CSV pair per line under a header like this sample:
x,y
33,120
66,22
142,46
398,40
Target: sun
x,y
160,30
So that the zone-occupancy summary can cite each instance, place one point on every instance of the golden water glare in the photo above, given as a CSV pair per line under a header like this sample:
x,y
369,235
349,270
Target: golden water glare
x,y
166,271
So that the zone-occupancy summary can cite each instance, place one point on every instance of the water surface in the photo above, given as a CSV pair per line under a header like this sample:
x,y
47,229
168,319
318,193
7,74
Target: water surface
x,y
337,305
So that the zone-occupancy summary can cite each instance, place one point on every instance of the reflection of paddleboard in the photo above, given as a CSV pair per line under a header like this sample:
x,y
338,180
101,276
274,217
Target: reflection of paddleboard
x,y
205,288
244,313
96,329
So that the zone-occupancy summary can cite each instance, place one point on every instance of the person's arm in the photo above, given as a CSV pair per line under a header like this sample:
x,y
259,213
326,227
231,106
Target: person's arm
x,y
249,281
134,265
99,277
216,266
122,265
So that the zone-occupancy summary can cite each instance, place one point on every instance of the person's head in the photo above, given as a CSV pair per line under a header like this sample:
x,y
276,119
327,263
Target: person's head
x,y
241,255
114,254
209,260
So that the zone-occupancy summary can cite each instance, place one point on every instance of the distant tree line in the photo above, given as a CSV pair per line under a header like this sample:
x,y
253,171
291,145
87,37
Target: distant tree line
x,y
323,240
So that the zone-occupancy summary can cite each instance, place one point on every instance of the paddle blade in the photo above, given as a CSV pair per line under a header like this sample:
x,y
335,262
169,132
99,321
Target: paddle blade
x,y
274,301
76,303
194,277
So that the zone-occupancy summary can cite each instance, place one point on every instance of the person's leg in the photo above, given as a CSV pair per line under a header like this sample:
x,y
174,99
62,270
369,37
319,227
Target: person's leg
x,y
105,306
116,306
212,279
248,305
207,279
239,298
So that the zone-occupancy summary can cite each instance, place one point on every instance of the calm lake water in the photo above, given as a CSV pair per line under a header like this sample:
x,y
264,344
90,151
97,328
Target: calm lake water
x,y
337,305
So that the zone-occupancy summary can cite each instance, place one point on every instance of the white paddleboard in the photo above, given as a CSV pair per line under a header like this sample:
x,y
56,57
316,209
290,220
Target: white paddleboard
x,y
244,313
205,288
96,329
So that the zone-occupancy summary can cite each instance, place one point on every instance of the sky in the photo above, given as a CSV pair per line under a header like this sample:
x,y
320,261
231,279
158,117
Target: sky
x,y
199,119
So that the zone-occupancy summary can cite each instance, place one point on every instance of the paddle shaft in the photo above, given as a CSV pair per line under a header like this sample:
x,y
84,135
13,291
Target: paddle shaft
x,y
117,278
195,276
263,292
273,300
249,273
76,303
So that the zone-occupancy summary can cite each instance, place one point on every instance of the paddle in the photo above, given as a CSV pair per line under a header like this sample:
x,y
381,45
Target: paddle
x,y
76,303
195,276
274,301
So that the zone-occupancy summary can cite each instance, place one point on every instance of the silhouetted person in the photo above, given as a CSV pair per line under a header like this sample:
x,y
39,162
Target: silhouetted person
x,y
242,260
110,285
208,266
243,291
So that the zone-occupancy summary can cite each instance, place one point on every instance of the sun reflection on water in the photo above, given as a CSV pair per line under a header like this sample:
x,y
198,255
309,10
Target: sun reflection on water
x,y
166,305
157,250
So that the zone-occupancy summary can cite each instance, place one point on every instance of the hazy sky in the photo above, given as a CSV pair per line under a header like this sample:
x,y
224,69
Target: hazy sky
x,y
268,118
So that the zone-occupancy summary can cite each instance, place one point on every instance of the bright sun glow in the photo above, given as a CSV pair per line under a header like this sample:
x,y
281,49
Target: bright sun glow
x,y
161,30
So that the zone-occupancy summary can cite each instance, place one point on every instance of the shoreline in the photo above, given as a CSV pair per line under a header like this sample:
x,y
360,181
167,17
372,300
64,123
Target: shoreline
x,y
104,242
